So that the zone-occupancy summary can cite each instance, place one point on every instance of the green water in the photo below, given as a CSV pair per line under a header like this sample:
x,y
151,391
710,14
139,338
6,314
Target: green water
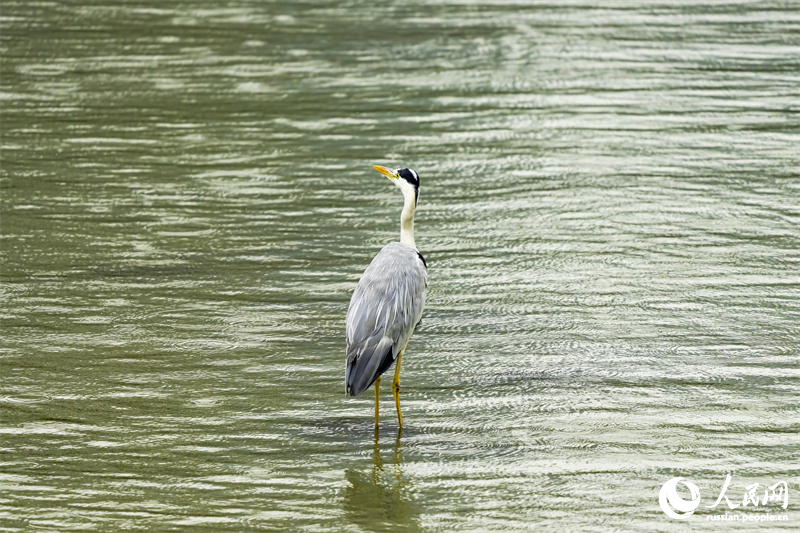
x,y
609,209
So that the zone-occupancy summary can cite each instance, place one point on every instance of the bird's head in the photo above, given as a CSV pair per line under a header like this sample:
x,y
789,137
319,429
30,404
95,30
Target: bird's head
x,y
405,178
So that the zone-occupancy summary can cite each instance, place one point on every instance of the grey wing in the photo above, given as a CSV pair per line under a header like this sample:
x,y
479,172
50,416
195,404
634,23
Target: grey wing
x,y
385,307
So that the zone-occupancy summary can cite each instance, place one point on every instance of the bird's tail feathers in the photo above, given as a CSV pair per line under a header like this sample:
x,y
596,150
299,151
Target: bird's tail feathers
x,y
365,363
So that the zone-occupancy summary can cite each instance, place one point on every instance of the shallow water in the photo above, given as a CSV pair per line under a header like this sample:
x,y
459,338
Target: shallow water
x,y
610,212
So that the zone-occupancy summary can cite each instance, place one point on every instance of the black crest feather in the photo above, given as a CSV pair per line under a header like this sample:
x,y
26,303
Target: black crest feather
x,y
410,176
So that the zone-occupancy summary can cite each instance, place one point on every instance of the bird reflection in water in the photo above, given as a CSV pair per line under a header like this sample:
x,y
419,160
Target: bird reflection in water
x,y
382,498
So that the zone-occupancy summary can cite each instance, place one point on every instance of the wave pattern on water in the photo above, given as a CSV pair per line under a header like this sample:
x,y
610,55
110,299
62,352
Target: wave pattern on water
x,y
609,210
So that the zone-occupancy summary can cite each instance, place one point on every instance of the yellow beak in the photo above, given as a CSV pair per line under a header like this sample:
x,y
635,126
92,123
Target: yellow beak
x,y
385,171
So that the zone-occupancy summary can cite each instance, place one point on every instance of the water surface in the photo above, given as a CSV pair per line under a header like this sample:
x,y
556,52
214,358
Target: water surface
x,y
610,212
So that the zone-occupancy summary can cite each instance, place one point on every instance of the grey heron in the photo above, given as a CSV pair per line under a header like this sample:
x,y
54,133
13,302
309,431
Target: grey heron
x,y
387,303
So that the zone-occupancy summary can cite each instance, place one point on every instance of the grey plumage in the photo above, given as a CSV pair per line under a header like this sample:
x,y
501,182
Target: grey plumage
x,y
385,307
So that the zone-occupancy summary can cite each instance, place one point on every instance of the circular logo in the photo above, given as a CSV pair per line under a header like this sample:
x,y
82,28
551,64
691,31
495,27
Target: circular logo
x,y
668,499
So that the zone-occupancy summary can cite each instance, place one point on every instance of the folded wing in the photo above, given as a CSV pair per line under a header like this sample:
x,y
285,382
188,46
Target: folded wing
x,y
386,306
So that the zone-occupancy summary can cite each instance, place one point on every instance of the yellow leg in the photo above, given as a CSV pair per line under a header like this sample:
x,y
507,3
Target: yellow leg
x,y
377,384
396,389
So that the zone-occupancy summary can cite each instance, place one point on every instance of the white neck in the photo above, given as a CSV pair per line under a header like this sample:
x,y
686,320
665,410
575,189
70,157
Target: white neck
x,y
407,219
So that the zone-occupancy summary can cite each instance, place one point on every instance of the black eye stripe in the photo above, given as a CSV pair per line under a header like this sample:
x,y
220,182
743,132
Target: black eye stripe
x,y
410,176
